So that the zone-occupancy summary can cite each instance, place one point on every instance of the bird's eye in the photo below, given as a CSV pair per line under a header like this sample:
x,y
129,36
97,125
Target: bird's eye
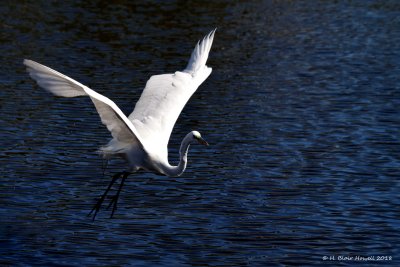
x,y
196,136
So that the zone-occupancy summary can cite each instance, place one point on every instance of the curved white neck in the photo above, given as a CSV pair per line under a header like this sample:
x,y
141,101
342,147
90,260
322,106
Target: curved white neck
x,y
183,151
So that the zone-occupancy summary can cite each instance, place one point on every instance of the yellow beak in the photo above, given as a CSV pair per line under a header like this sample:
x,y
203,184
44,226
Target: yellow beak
x,y
202,141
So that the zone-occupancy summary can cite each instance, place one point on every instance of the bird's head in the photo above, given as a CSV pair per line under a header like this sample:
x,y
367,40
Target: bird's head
x,y
197,136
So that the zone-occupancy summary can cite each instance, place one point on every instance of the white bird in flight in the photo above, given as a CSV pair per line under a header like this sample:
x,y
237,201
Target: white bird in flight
x,y
142,137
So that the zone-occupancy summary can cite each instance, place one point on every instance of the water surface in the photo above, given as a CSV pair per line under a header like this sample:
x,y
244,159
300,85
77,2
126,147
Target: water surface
x,y
301,111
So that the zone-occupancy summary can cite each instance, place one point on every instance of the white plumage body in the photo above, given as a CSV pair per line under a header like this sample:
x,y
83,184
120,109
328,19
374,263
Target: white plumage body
x,y
142,137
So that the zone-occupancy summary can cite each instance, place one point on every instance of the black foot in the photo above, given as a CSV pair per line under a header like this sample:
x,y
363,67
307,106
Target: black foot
x,y
114,200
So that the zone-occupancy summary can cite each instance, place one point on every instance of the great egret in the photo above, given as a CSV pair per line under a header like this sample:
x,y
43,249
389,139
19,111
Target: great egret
x,y
142,138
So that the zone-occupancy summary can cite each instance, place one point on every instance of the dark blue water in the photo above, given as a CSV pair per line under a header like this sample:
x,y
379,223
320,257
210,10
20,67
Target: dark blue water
x,y
301,111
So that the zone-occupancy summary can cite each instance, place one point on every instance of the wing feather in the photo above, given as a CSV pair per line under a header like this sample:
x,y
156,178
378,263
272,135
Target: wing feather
x,y
165,96
61,85
199,55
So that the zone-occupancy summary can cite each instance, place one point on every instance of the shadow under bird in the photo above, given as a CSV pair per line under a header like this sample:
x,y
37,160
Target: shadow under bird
x,y
142,137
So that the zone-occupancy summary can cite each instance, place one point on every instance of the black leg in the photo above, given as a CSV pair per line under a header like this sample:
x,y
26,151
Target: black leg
x,y
104,165
96,207
114,200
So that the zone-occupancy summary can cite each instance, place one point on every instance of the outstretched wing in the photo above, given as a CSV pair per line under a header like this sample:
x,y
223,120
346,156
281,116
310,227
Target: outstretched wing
x,y
165,96
59,84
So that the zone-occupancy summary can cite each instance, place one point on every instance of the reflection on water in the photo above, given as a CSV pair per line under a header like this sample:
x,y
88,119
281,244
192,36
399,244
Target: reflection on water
x,y
301,112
